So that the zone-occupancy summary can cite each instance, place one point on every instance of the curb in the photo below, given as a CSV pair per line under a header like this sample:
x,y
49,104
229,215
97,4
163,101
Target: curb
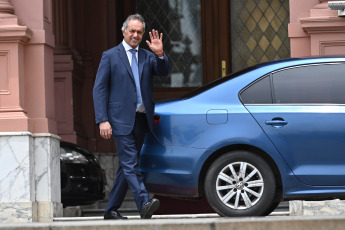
x,y
250,223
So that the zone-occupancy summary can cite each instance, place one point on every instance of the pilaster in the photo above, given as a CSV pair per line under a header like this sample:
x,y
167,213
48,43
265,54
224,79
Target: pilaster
x,y
29,152
63,71
13,36
73,75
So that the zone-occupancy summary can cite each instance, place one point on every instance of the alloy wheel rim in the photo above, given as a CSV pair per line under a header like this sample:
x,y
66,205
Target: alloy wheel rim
x,y
239,185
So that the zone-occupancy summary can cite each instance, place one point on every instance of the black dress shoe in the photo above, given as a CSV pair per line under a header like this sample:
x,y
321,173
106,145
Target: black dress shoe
x,y
114,215
149,208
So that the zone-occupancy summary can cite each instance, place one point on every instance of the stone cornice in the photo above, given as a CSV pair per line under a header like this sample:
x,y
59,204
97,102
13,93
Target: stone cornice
x,y
15,33
323,24
11,28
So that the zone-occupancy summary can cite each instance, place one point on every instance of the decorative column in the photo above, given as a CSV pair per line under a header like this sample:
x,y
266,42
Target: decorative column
x,y
64,70
73,73
29,151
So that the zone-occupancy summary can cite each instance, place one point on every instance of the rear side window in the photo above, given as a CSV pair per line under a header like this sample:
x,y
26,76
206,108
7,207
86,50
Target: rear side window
x,y
258,93
313,84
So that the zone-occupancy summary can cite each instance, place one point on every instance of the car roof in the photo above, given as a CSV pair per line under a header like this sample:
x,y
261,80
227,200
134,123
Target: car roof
x,y
305,60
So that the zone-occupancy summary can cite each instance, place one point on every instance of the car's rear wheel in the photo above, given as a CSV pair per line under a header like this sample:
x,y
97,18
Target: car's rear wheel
x,y
241,183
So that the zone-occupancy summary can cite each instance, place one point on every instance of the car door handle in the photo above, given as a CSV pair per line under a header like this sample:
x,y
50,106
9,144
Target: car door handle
x,y
277,122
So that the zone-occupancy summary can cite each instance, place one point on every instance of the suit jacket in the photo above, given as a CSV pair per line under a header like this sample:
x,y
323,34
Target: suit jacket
x,y
114,92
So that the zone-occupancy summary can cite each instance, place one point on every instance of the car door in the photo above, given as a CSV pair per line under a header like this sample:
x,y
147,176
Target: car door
x,y
305,119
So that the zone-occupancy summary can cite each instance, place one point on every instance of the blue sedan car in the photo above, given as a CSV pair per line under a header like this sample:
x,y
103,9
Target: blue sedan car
x,y
272,132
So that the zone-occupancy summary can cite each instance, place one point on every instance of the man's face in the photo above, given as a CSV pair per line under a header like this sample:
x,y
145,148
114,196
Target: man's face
x,y
134,33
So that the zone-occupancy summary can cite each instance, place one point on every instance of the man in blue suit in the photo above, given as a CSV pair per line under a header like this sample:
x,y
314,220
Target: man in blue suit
x,y
124,108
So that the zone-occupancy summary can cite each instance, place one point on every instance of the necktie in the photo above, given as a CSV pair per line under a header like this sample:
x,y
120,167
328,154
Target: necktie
x,y
136,76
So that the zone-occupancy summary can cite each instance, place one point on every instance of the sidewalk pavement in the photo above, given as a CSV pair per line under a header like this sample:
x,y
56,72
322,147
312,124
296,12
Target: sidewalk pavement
x,y
191,222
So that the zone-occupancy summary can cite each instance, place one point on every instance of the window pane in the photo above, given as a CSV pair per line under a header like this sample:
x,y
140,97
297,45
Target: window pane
x,y
258,93
310,84
259,32
180,23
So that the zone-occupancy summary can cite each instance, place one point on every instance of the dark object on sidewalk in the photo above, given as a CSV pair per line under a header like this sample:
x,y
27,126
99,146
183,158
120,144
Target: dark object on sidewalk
x,y
82,178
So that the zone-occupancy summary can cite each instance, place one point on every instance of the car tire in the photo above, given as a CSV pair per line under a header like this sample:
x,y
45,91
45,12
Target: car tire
x,y
241,183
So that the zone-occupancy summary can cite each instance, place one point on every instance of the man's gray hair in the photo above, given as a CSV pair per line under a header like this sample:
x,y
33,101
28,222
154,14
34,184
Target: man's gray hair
x,y
134,17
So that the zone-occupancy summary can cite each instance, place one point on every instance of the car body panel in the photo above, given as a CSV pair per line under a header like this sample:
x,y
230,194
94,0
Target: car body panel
x,y
196,145
315,151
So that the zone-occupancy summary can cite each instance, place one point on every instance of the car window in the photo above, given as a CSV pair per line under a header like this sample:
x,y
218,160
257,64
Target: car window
x,y
218,82
316,84
258,93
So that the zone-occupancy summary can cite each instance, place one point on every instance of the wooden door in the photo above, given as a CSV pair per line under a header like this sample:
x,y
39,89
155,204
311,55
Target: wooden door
x,y
196,33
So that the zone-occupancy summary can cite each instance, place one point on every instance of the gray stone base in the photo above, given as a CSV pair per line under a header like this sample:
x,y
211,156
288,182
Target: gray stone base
x,y
315,208
46,211
24,212
18,212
